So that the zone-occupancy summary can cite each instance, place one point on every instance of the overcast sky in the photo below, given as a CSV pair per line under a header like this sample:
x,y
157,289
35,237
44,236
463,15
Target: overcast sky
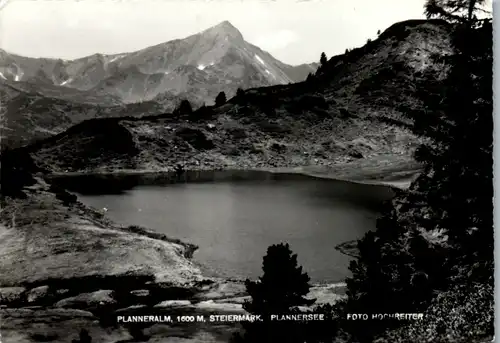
x,y
293,31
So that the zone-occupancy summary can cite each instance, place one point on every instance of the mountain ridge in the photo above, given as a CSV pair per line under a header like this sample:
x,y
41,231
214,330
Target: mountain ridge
x,y
223,24
202,50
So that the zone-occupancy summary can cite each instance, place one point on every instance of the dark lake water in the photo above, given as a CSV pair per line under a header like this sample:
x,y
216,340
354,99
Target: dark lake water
x,y
233,218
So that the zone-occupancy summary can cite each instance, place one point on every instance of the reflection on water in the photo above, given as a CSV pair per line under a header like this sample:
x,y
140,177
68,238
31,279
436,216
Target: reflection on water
x,y
233,218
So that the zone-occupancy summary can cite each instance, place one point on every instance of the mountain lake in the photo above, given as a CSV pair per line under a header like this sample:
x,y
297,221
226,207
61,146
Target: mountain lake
x,y
233,216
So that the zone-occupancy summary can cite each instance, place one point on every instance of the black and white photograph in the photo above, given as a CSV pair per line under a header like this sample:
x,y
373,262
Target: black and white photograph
x,y
246,171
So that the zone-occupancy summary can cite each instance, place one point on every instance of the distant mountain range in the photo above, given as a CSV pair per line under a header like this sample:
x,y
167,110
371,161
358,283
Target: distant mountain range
x,y
196,68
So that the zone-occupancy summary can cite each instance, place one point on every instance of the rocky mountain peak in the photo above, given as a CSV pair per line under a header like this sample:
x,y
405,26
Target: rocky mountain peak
x,y
224,29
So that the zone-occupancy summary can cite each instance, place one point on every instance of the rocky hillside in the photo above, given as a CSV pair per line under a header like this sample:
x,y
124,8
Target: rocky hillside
x,y
379,79
27,116
197,68
349,113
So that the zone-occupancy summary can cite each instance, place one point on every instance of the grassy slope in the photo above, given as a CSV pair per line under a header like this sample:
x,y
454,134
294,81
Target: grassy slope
x,y
26,116
43,239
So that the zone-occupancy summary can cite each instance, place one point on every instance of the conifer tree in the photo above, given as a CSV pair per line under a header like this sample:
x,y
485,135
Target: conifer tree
x,y
279,291
458,11
282,286
220,99
184,108
323,59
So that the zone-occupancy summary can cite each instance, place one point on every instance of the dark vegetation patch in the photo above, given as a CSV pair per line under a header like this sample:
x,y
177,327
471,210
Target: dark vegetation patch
x,y
17,169
273,127
237,133
63,195
89,145
394,122
196,138
385,80
309,101
231,150
463,314
44,337
349,248
203,113
278,147
94,184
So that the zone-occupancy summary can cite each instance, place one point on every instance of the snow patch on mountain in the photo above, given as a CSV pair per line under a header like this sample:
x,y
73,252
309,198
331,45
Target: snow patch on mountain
x,y
117,58
65,82
257,57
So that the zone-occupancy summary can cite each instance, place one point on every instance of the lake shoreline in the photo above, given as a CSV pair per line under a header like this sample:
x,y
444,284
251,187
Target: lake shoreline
x,y
399,176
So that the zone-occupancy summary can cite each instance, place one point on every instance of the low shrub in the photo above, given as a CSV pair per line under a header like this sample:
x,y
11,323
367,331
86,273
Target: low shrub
x,y
196,138
462,314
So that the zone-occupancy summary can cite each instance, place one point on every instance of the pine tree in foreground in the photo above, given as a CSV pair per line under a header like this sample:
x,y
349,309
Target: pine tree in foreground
x,y
279,291
283,285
